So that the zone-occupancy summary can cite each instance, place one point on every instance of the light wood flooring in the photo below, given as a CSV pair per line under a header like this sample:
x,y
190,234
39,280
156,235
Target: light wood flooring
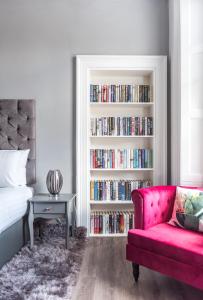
x,y
106,275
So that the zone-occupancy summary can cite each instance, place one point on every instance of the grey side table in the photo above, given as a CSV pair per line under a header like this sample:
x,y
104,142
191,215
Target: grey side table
x,y
50,207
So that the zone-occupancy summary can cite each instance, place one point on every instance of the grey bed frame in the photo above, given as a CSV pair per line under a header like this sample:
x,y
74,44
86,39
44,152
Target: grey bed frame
x,y
17,131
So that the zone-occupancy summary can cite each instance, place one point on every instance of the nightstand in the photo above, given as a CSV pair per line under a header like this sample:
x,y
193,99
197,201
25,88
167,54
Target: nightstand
x,y
46,206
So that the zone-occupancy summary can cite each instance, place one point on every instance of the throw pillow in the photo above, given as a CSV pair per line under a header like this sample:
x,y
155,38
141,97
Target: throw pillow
x,y
13,167
188,209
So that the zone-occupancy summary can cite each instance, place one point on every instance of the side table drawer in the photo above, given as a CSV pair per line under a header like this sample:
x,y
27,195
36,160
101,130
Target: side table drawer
x,y
49,208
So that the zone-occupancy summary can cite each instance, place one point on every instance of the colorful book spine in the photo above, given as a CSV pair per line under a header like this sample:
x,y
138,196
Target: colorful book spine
x,y
121,158
115,190
119,126
120,93
111,222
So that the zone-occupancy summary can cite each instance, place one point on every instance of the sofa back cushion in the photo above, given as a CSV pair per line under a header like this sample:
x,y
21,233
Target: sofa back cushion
x,y
188,209
153,205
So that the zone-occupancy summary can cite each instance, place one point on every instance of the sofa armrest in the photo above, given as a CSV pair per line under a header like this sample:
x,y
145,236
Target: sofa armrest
x,y
153,205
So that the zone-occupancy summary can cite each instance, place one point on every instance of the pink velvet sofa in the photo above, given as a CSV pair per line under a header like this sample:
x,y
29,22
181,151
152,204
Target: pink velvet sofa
x,y
159,246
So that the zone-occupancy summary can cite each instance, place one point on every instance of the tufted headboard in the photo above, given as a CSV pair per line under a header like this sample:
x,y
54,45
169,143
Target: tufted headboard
x,y
17,131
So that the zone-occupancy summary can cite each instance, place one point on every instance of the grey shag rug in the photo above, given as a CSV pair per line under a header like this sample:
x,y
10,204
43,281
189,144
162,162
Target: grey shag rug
x,y
48,271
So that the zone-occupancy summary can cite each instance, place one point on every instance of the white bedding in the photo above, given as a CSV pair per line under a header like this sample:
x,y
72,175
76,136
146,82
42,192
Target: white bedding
x,y
13,205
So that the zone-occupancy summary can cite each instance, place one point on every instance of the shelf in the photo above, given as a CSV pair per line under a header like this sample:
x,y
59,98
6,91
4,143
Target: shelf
x,y
115,70
144,104
122,136
108,234
125,170
100,202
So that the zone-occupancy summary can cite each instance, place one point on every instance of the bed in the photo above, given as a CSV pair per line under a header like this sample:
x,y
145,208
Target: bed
x,y
17,131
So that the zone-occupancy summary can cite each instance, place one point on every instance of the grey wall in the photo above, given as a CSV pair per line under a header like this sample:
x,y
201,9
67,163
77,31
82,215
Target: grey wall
x,y
38,42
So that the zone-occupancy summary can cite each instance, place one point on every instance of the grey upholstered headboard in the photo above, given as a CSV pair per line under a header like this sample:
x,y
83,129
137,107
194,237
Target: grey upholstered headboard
x,y
17,130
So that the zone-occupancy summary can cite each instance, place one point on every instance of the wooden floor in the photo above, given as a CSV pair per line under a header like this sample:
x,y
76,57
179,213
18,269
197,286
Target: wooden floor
x,y
106,275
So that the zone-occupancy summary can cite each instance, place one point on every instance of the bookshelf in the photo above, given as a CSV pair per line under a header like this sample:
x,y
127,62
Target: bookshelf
x,y
110,202
121,170
122,104
121,136
109,165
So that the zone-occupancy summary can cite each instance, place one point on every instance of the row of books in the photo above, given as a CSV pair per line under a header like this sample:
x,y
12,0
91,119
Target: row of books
x,y
121,158
104,222
120,93
116,126
115,190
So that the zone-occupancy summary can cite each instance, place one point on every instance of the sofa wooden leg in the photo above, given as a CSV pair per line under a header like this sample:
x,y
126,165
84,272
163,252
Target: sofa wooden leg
x,y
135,271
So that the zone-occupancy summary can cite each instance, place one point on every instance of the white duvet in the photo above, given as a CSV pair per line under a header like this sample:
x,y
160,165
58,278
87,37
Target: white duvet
x,y
13,205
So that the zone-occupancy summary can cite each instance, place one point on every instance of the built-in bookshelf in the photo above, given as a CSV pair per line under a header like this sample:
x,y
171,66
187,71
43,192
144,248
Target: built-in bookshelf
x,y
121,137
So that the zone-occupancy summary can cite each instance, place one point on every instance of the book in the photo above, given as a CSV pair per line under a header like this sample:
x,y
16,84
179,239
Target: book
x,y
111,222
121,158
121,126
120,93
115,190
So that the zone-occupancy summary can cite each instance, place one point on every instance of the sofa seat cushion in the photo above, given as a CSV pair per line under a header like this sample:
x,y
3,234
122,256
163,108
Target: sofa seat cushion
x,y
169,241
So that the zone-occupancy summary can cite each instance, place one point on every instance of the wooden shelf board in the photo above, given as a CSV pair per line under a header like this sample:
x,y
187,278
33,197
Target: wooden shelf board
x,y
100,202
108,234
124,170
121,136
121,103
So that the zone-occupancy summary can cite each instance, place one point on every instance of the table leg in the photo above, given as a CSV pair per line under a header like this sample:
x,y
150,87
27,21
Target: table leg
x,y
24,228
30,223
67,225
74,217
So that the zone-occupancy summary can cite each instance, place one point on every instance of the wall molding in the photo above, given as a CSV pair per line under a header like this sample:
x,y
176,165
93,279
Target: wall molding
x,y
175,64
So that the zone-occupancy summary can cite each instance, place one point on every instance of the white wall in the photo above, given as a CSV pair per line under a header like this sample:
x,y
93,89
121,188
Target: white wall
x,y
38,42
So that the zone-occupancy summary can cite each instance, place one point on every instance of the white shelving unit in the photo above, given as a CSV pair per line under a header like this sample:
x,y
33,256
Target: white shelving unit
x,y
121,136
110,202
122,104
107,235
95,69
122,170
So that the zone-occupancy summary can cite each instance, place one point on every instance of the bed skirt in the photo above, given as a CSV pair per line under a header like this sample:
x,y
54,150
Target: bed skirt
x,y
12,240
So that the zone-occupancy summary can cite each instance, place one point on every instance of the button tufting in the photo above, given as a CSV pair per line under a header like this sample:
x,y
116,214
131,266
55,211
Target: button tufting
x,y
14,131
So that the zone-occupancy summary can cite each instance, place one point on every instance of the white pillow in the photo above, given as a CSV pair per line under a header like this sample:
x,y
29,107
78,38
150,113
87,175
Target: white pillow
x,y
22,166
13,167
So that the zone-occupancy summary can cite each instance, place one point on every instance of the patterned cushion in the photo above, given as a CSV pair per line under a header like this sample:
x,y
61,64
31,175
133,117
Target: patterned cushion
x,y
188,209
